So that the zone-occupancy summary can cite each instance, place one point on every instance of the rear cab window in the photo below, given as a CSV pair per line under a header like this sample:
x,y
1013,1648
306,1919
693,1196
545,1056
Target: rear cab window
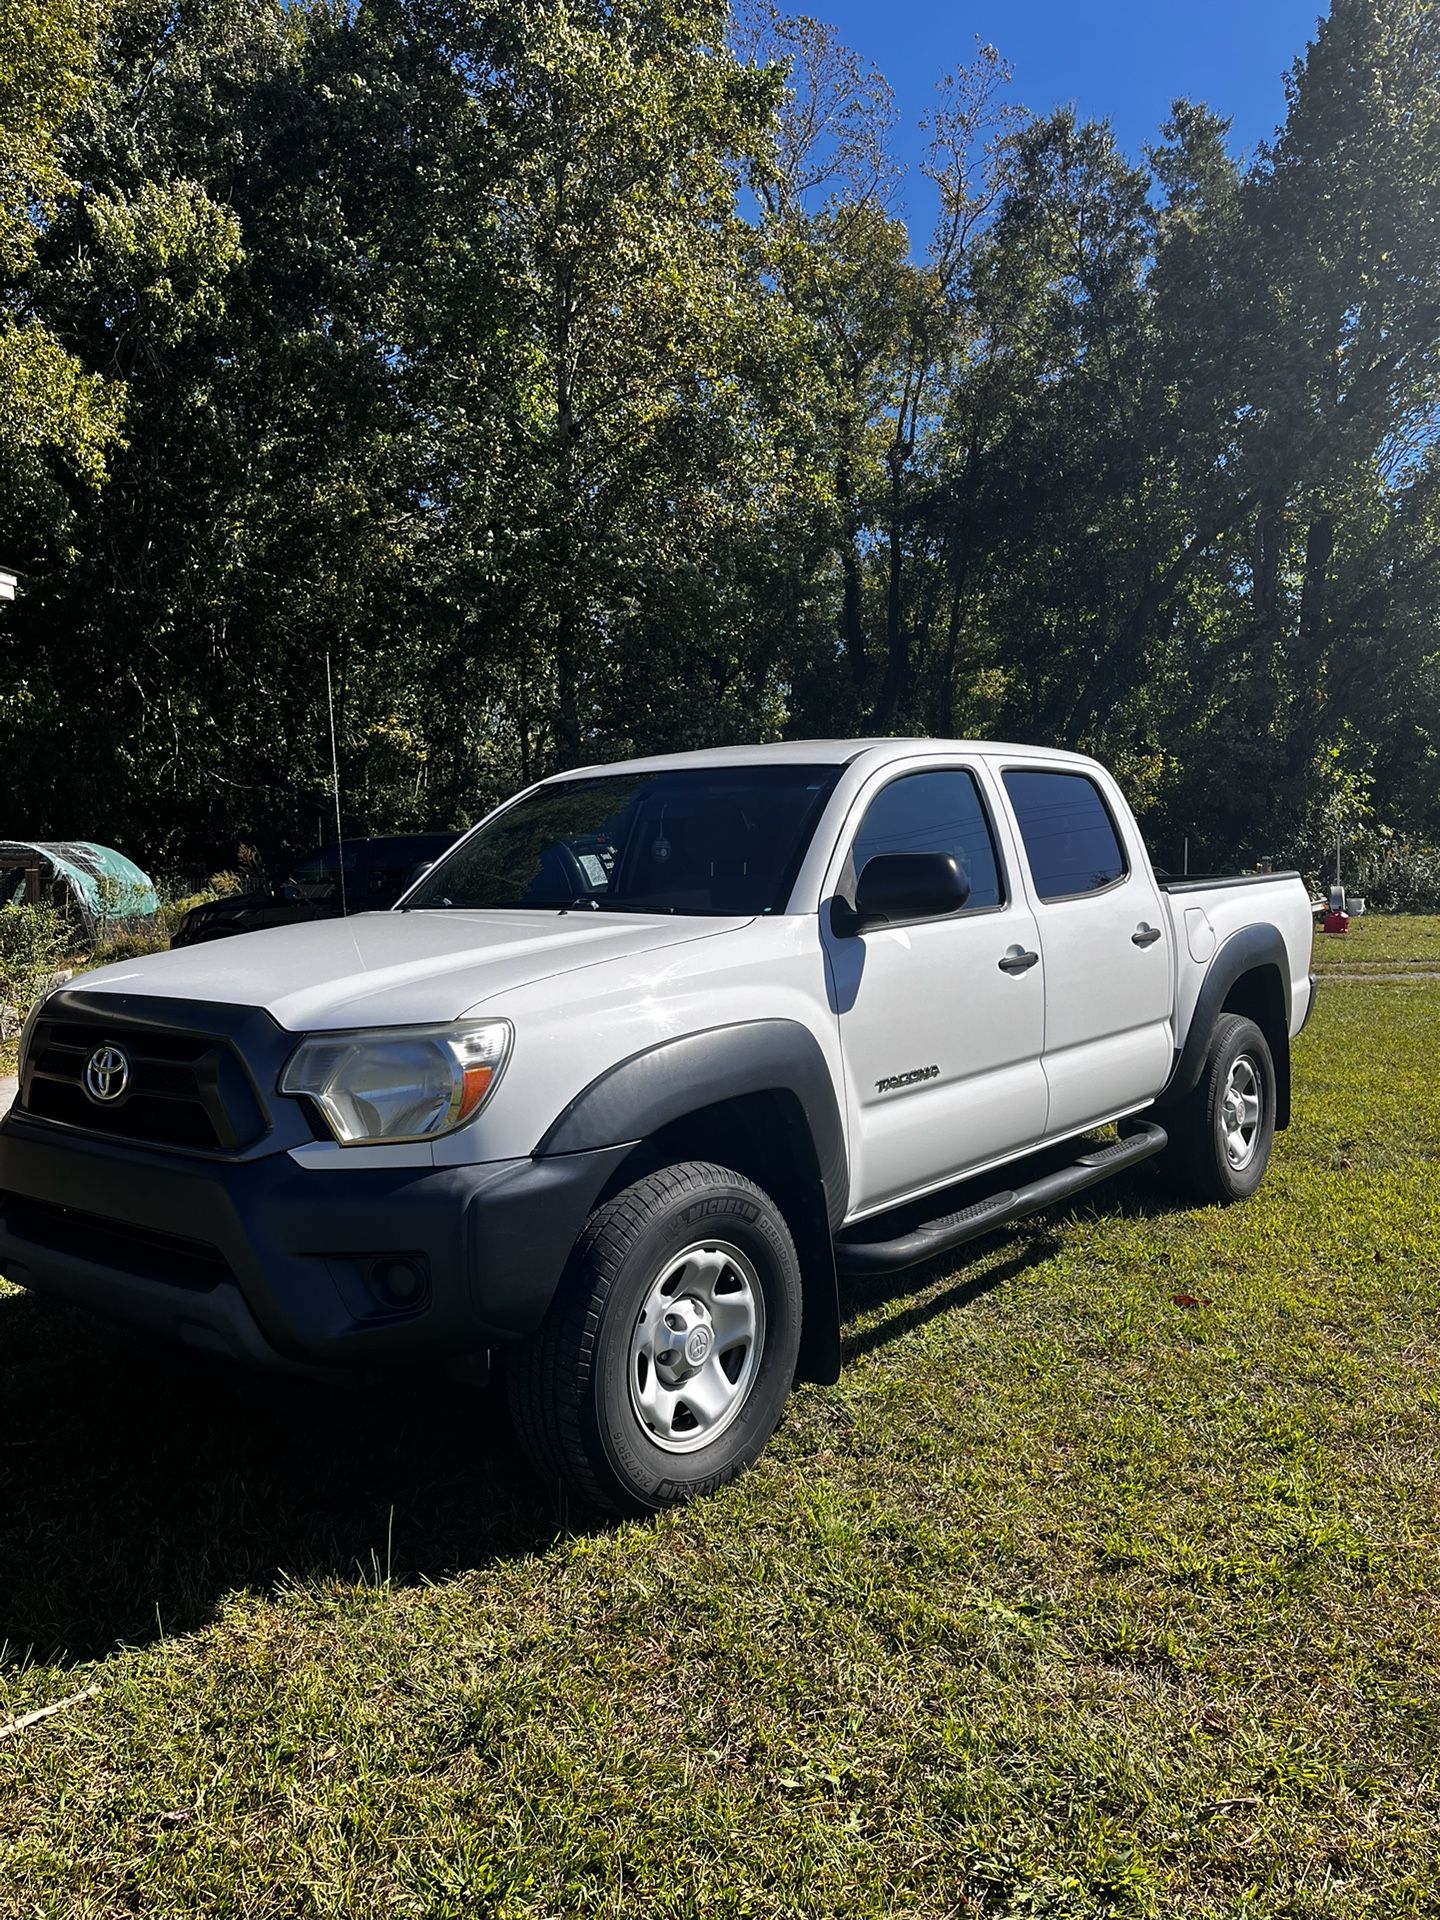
x,y
937,811
1071,842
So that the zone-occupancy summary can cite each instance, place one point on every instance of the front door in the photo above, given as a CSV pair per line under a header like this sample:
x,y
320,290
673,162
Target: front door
x,y
941,1043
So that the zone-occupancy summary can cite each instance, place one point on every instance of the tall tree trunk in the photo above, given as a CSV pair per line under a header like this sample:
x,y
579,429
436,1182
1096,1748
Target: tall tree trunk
x,y
945,706
895,687
1265,613
1319,547
526,776
1308,701
1118,669
852,636
1265,568
567,692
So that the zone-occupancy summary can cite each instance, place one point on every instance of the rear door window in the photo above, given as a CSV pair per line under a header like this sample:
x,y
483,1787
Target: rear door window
x,y
1070,838
939,812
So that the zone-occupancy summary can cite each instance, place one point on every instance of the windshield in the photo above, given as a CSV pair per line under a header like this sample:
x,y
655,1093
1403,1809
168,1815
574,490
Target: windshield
x,y
708,840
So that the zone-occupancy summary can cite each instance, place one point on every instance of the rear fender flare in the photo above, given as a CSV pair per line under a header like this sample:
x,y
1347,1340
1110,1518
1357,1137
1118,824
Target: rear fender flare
x,y
1246,951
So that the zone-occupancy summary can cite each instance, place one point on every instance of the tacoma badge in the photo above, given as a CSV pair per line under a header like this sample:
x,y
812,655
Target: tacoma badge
x,y
910,1079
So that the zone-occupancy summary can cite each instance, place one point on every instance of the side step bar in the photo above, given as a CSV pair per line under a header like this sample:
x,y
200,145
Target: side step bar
x,y
954,1229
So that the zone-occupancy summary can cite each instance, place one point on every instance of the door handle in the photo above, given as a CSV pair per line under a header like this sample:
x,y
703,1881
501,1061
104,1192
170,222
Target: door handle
x,y
1018,962
1144,936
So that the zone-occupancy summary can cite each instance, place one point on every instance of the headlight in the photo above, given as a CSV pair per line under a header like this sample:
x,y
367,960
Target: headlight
x,y
402,1083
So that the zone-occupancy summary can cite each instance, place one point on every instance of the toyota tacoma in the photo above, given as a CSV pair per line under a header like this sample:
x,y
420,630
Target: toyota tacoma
x,y
646,1060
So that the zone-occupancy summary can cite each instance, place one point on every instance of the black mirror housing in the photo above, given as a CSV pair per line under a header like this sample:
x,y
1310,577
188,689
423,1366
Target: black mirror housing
x,y
899,887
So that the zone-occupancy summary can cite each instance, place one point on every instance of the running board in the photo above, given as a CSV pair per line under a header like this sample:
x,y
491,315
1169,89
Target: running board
x,y
954,1229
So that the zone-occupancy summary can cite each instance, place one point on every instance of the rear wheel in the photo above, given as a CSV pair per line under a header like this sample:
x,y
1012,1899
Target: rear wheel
x,y
665,1361
1222,1132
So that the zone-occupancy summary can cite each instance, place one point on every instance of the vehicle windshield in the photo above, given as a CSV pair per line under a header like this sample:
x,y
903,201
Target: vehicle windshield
x,y
705,840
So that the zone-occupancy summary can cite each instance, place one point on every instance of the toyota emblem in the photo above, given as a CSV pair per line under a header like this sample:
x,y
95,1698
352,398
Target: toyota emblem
x,y
107,1072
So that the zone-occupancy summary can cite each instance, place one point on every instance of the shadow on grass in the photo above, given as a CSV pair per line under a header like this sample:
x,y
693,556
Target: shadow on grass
x,y
140,1485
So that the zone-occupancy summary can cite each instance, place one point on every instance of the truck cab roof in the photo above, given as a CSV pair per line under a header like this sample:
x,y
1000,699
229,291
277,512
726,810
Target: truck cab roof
x,y
821,753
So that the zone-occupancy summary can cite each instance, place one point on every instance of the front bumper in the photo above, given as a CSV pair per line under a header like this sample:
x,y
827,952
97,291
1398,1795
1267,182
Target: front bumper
x,y
265,1261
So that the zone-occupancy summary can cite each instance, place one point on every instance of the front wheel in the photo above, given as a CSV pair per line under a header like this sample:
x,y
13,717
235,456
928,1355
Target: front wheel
x,y
1222,1132
663,1366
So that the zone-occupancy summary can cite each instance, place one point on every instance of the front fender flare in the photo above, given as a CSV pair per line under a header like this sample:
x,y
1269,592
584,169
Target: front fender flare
x,y
677,1078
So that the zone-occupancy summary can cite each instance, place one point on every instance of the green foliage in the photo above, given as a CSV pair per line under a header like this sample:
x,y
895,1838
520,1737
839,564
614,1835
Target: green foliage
x,y
165,254
173,908
558,382
127,946
57,417
33,943
47,50
1395,874
49,404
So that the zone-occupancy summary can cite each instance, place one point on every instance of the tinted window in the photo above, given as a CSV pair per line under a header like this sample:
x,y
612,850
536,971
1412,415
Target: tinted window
x,y
711,840
1070,839
933,813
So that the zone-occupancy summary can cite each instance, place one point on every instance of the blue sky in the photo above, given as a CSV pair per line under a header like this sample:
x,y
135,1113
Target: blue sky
x,y
1121,60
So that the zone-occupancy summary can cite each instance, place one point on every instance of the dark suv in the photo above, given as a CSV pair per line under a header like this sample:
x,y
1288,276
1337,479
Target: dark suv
x,y
376,872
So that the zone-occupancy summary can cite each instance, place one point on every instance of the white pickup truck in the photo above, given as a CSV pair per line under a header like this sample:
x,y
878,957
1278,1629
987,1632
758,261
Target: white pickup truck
x,y
629,1074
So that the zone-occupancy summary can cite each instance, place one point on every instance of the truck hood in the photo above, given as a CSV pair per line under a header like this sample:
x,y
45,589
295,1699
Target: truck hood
x,y
394,969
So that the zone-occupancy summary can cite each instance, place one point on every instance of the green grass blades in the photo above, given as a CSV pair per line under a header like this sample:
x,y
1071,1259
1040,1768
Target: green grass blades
x,y
1394,942
1105,1584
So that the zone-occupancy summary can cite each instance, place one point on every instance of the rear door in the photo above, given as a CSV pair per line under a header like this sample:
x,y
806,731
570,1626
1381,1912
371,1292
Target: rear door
x,y
941,1043
1109,1037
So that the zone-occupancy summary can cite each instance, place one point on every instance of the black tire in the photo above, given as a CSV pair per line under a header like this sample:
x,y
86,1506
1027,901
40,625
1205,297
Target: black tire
x,y
575,1406
1198,1158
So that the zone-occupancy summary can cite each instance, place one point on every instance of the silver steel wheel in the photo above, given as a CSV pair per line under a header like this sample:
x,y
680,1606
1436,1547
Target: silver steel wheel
x,y
1240,1109
696,1346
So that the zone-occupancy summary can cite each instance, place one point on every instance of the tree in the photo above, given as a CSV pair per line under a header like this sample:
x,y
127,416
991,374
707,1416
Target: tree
x,y
627,277
836,250
56,419
971,132
562,381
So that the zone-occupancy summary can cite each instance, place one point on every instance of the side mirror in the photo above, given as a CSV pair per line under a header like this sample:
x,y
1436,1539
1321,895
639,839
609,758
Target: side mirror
x,y
417,873
896,887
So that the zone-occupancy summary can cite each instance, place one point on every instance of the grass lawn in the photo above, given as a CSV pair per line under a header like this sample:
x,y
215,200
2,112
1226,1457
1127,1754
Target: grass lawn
x,y
1106,1583
1390,942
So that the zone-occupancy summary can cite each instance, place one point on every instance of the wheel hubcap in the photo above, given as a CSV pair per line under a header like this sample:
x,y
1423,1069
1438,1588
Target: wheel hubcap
x,y
696,1346
1240,1111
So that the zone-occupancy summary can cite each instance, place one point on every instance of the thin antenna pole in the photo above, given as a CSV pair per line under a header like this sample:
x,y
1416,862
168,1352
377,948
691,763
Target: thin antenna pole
x,y
335,772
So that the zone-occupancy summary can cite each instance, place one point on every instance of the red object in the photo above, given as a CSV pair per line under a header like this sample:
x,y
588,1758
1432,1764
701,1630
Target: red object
x,y
1336,923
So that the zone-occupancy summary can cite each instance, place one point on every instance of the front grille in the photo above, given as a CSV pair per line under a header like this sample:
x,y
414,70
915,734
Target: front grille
x,y
184,1090
142,1251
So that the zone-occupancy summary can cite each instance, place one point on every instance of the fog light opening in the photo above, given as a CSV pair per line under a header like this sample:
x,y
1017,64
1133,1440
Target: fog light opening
x,y
399,1283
